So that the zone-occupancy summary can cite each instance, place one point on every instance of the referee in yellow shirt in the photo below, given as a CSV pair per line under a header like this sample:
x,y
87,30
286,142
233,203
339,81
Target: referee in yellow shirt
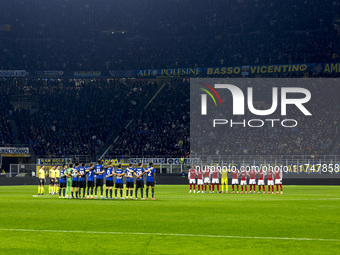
x,y
56,180
42,180
52,180
224,180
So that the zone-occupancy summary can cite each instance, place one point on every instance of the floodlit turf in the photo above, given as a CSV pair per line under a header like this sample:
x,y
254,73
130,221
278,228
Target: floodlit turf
x,y
175,223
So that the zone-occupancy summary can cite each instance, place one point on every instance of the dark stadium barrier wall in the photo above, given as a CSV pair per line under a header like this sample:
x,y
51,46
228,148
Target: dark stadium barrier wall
x,y
178,179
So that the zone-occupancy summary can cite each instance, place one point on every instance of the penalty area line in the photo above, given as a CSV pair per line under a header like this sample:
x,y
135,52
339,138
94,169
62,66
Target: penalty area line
x,y
172,234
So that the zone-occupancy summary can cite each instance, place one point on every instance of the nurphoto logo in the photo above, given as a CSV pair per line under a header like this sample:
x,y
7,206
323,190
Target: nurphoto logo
x,y
238,107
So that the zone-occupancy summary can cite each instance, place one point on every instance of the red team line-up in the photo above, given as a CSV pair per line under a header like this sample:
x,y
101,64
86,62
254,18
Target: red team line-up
x,y
210,176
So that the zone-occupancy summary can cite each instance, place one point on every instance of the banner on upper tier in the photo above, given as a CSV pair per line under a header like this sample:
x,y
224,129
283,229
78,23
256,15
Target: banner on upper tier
x,y
245,70
222,71
49,74
170,72
15,151
331,68
260,69
87,74
12,73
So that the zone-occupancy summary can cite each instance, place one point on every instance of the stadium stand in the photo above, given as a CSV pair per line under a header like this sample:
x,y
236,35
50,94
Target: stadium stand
x,y
79,118
162,128
75,118
6,109
83,116
251,33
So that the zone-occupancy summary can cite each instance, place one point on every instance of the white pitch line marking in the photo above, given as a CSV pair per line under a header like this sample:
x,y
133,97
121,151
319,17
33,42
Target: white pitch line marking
x,y
42,196
170,234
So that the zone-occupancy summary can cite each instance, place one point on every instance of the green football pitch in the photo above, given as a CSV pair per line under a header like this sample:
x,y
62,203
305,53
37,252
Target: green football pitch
x,y
304,220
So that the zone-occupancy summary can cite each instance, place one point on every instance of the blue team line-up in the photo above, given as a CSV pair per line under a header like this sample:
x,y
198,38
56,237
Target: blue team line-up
x,y
81,181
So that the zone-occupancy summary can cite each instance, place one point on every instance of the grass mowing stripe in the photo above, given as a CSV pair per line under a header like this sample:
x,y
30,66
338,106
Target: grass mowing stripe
x,y
176,223
170,234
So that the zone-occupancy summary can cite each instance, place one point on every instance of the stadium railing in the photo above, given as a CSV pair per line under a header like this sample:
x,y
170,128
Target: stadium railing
x,y
298,164
294,164
20,169
291,164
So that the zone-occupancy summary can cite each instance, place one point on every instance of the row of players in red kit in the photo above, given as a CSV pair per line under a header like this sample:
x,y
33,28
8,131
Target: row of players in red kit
x,y
210,175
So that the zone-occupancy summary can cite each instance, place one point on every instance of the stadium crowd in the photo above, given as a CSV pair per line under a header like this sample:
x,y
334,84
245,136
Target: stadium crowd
x,y
72,117
7,135
163,128
79,117
251,33
165,52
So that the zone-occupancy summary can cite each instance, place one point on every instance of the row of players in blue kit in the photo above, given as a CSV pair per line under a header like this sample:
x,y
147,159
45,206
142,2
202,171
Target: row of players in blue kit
x,y
74,179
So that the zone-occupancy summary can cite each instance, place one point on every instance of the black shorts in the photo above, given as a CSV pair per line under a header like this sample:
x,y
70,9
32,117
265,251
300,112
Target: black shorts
x,y
74,184
41,182
109,183
129,185
82,184
56,180
99,182
150,184
63,185
51,181
119,185
139,184
90,184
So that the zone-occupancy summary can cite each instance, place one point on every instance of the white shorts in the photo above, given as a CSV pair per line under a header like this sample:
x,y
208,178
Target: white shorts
x,y
270,183
206,180
243,182
260,182
234,182
192,181
278,181
252,181
199,181
215,180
